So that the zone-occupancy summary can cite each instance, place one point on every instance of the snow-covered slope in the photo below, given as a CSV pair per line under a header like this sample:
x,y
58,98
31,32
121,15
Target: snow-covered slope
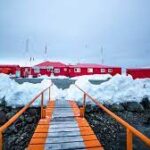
x,y
118,89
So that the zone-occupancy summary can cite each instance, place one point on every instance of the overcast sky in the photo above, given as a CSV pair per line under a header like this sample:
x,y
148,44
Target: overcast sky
x,y
75,31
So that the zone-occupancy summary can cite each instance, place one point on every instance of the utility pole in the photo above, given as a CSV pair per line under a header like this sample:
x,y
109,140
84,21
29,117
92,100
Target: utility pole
x,y
102,55
26,51
45,52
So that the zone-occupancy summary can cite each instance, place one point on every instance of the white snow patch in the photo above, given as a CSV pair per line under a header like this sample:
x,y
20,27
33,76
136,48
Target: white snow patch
x,y
20,94
94,77
52,77
118,89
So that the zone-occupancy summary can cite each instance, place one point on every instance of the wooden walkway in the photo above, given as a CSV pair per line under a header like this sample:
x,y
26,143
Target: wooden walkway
x,y
63,129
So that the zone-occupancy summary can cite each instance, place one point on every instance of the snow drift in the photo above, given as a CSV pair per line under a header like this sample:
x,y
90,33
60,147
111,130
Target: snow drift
x,y
118,89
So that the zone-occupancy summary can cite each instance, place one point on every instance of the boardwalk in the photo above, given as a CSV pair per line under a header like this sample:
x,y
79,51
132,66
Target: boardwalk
x,y
63,128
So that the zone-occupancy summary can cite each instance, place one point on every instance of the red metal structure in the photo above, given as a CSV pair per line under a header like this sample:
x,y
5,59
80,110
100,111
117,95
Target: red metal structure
x,y
10,69
138,72
89,69
50,68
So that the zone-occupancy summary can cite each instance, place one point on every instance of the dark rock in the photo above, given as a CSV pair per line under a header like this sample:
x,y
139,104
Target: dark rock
x,y
10,114
32,111
117,107
134,107
3,117
3,102
29,119
13,129
89,108
145,103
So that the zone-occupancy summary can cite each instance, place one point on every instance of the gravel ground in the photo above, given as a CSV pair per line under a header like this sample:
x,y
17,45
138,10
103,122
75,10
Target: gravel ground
x,y
112,135
18,135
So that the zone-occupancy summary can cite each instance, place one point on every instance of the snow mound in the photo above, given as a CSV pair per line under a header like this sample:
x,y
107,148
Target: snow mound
x,y
20,94
118,89
94,77
52,77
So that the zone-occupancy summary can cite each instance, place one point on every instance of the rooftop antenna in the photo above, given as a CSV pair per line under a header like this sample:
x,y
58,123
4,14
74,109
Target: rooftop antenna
x,y
45,52
26,51
102,55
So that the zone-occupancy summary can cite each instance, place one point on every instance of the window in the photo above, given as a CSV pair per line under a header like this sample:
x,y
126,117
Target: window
x,y
90,70
49,68
26,69
37,70
77,70
65,69
110,70
103,70
56,70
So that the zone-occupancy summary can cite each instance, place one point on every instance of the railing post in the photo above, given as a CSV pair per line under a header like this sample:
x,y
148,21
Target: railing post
x,y
129,140
1,141
42,98
82,110
49,93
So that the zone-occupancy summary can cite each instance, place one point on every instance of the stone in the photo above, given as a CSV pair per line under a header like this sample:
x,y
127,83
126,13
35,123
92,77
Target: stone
x,y
134,107
3,117
10,114
117,107
29,119
32,111
145,103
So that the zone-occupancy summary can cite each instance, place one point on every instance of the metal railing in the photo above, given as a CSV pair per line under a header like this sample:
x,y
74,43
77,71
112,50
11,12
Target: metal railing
x,y
130,130
18,114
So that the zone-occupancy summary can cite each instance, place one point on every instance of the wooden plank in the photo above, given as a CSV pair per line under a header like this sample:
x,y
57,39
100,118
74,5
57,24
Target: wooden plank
x,y
36,147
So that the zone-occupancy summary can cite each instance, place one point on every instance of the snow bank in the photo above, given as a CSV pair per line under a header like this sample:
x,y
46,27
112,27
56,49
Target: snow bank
x,y
94,77
20,94
118,89
52,77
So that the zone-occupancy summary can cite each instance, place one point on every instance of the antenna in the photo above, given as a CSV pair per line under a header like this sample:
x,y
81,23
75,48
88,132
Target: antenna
x,y
102,59
45,51
27,46
26,51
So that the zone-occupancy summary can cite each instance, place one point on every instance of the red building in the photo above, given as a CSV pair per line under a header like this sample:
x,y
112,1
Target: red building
x,y
10,69
50,68
89,69
138,72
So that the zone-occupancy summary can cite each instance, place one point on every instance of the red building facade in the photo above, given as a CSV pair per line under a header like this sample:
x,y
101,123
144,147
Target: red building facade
x,y
10,69
90,69
138,72
50,68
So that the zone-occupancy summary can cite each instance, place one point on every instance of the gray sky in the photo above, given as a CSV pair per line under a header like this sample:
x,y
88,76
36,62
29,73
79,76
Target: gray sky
x,y
75,30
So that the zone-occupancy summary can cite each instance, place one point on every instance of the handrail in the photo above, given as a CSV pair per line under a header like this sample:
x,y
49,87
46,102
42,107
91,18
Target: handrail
x,y
18,114
130,129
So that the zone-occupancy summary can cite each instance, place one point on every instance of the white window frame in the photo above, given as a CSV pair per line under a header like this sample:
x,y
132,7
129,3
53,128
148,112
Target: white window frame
x,y
77,70
49,68
90,70
57,70
103,70
36,70
110,70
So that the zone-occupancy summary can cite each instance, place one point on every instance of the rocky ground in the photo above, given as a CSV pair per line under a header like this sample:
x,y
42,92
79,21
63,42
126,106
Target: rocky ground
x,y
18,135
110,133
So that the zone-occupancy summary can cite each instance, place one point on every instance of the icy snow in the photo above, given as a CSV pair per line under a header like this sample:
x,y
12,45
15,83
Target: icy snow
x,y
118,89
52,77
93,77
